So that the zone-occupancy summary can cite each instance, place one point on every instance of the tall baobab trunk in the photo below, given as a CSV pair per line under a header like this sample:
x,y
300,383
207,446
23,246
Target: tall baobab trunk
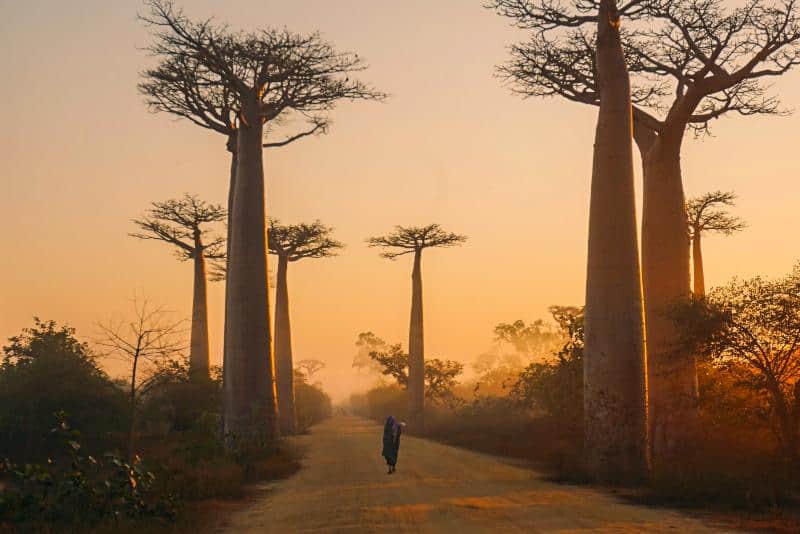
x,y
232,147
698,276
672,374
416,351
249,390
284,367
614,365
198,350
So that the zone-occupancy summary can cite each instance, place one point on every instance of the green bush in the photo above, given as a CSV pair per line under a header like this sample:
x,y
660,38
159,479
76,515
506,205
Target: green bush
x,y
79,490
46,370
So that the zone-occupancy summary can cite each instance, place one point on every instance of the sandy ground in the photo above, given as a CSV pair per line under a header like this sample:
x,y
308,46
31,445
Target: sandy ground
x,y
343,487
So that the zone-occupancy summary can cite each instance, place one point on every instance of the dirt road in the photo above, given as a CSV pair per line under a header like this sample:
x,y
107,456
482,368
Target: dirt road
x,y
343,487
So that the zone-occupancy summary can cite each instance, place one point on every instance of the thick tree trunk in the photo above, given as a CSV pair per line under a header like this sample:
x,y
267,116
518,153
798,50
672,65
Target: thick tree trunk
x,y
198,349
284,366
249,390
672,373
416,352
614,363
697,269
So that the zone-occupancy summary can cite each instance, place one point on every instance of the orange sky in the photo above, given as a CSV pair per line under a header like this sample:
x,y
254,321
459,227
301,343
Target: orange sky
x,y
81,156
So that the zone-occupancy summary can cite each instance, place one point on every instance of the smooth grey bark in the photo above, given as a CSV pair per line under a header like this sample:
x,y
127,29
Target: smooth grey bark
x,y
284,365
416,351
671,370
698,276
249,390
198,350
614,363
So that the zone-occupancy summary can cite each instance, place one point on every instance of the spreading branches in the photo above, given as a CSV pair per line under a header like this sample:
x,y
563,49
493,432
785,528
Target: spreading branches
x,y
410,239
752,328
690,61
298,241
217,78
181,223
707,214
440,375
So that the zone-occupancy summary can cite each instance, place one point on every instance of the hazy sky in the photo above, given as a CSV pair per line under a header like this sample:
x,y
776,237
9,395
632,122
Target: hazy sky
x,y
80,156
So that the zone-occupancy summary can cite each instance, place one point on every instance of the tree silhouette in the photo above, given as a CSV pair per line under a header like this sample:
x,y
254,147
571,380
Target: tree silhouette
x,y
291,243
692,62
148,343
255,81
614,366
440,376
183,224
413,240
706,214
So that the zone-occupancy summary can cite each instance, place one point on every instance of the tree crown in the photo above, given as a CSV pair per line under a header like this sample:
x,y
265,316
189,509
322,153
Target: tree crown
x,y
409,239
691,61
182,223
706,213
217,78
299,241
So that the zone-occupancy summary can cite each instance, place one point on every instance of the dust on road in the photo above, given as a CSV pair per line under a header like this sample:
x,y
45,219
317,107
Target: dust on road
x,y
343,487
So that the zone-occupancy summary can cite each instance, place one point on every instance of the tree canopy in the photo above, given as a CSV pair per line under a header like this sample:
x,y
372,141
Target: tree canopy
x,y
209,74
707,213
298,241
410,239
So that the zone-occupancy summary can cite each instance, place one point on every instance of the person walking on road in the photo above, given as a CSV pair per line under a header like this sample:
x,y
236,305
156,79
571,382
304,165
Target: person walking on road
x,y
391,442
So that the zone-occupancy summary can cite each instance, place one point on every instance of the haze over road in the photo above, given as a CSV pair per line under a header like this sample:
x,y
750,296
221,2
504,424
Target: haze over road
x,y
343,487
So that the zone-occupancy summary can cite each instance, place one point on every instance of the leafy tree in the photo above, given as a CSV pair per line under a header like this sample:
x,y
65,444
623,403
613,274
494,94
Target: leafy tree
x,y
707,214
368,343
291,243
556,386
440,375
250,82
182,224
534,339
45,370
752,329
310,367
413,240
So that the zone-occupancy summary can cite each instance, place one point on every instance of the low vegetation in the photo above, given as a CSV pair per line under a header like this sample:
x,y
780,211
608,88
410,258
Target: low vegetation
x,y
63,450
529,405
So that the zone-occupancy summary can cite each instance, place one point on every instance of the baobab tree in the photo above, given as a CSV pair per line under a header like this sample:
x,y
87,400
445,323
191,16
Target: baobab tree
x,y
256,81
413,240
291,243
706,214
183,224
691,63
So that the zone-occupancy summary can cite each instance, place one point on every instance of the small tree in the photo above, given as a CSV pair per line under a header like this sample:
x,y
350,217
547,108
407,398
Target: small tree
x,y
752,328
182,224
440,375
533,340
368,343
310,367
413,240
257,79
291,243
148,343
707,214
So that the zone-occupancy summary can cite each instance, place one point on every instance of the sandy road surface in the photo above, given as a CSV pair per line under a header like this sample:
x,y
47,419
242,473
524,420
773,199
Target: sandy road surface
x,y
343,487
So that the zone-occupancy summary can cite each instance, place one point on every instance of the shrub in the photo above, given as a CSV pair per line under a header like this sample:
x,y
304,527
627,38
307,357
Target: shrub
x,y
45,370
80,490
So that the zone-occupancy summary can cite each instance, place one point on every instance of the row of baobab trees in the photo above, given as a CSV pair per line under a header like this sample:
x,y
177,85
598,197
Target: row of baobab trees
x,y
186,225
679,65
